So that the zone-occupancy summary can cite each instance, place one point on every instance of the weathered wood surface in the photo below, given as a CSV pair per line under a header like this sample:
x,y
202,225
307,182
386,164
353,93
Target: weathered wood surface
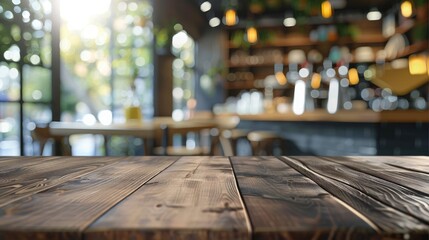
x,y
195,198
396,196
63,211
405,171
283,204
389,219
30,175
145,198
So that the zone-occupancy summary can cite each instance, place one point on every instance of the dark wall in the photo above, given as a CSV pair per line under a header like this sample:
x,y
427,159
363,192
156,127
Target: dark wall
x,y
210,60
187,13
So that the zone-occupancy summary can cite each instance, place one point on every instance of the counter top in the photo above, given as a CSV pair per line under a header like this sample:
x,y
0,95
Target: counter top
x,y
353,116
304,197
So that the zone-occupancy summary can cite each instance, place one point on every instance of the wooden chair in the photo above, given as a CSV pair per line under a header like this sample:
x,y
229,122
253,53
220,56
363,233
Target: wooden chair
x,y
201,131
229,135
41,135
265,142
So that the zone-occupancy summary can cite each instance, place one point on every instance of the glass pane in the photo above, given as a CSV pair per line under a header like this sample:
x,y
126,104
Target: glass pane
x,y
85,43
183,75
9,129
9,82
37,84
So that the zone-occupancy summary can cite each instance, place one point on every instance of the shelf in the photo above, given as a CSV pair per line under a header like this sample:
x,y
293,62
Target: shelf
x,y
239,85
305,42
245,65
409,50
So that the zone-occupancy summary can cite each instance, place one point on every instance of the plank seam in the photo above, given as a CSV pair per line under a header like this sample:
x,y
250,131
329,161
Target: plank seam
x,y
83,230
421,221
374,198
246,213
408,169
366,172
353,210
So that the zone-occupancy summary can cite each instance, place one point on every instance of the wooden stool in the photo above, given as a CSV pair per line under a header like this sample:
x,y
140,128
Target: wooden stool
x,y
264,142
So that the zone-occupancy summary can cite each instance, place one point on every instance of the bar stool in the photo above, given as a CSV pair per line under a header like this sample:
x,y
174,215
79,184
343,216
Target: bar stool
x,y
229,135
183,129
265,142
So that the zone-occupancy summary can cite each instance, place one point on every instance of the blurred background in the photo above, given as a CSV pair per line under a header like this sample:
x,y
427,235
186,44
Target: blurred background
x,y
359,68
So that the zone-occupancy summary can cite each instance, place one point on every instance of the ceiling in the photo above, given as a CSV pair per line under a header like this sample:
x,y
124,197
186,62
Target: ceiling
x,y
269,12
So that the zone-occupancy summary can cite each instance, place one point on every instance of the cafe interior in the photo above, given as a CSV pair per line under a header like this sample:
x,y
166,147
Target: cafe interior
x,y
214,77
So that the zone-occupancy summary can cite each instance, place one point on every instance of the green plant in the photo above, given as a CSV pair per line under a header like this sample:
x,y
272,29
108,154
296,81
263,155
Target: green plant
x,y
163,36
419,3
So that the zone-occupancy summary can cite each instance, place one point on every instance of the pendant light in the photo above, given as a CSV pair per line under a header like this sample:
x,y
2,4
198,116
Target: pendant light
x,y
406,8
230,17
252,35
326,9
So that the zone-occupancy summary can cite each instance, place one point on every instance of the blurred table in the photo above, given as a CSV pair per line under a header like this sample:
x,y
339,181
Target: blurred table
x,y
148,129
302,197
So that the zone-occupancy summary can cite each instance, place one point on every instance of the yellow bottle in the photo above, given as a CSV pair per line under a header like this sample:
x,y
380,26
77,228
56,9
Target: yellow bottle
x,y
132,107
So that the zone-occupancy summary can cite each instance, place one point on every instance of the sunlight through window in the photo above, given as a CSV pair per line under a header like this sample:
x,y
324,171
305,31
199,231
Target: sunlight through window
x,y
78,13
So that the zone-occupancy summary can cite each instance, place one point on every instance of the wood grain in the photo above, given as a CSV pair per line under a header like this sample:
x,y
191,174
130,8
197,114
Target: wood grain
x,y
62,212
195,198
391,221
29,175
283,204
413,164
396,196
399,170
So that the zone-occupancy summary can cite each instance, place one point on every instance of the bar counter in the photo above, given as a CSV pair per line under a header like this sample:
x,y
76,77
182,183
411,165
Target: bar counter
x,y
351,116
214,198
363,132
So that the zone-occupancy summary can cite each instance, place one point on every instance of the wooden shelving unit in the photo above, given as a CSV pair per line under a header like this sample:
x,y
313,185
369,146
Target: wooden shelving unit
x,y
372,38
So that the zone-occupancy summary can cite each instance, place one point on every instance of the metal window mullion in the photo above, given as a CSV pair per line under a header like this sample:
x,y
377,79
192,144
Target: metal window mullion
x,y
22,52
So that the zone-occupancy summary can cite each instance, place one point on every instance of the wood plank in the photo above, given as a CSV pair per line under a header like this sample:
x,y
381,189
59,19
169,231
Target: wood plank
x,y
413,164
396,196
392,222
283,204
376,166
24,176
195,198
62,212
13,162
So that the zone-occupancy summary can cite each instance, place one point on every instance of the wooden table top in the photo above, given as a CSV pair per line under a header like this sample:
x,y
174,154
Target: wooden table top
x,y
214,197
144,128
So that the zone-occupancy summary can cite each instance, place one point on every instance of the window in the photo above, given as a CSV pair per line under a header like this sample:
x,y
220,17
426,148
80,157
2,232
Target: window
x,y
105,49
25,74
106,45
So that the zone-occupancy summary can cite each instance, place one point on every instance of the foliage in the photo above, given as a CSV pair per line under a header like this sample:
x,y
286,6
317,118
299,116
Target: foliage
x,y
163,37
111,60
238,38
